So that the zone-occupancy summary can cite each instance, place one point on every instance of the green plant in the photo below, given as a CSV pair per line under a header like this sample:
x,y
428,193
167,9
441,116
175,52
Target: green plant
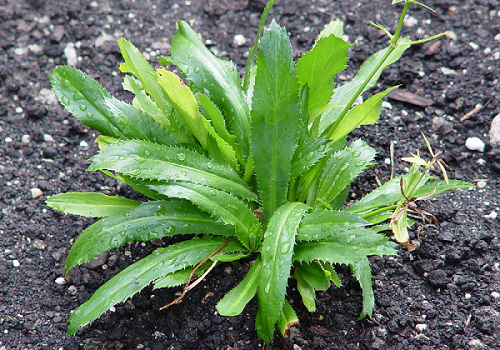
x,y
257,170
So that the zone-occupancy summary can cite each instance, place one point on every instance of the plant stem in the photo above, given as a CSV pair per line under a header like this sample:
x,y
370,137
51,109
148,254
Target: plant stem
x,y
253,49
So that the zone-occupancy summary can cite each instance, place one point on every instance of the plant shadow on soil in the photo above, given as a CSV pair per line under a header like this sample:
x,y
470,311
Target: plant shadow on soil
x,y
442,295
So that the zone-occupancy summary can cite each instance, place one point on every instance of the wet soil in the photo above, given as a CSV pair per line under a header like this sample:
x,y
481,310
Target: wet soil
x,y
444,295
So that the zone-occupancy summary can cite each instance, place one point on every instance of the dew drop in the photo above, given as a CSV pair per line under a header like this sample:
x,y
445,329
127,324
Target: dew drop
x,y
196,69
123,233
210,165
350,238
344,167
324,227
121,158
204,81
89,115
65,100
212,192
82,107
66,82
60,207
77,96
135,172
268,248
285,248
144,227
309,156
147,152
181,156
356,153
360,163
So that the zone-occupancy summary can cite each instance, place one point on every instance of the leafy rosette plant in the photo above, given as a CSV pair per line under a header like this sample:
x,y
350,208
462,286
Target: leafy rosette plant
x,y
258,169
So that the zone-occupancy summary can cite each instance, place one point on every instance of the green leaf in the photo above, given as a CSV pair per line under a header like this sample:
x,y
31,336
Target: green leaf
x,y
275,118
276,254
136,124
308,154
179,277
344,248
314,274
441,186
143,101
136,64
217,78
216,118
134,278
234,302
342,168
85,99
148,221
147,160
343,94
307,292
182,99
221,205
387,194
219,145
365,113
325,223
362,271
334,27
318,67
90,204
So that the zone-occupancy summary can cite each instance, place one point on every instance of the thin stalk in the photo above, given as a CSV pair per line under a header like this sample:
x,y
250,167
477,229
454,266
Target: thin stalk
x,y
253,49
378,211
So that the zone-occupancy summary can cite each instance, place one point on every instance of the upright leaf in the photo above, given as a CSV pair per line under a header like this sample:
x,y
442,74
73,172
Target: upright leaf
x,y
318,67
275,117
217,78
150,161
276,254
85,98
134,278
148,221
90,204
184,102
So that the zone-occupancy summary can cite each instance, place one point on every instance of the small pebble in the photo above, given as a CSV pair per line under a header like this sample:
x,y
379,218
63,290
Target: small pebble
x,y
36,192
70,53
84,144
60,280
239,40
48,138
467,296
495,295
19,110
481,184
16,263
493,215
421,327
25,139
72,290
475,144
8,139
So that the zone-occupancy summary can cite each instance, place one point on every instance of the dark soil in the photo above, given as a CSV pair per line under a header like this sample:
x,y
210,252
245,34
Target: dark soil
x,y
444,295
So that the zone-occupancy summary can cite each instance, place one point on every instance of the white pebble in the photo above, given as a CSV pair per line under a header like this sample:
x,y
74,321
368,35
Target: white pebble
x,y
36,192
112,309
474,144
239,40
474,45
60,280
495,295
70,53
387,161
72,290
16,263
386,105
481,184
467,296
410,21
421,327
25,139
19,110
48,138
84,144
493,215
8,139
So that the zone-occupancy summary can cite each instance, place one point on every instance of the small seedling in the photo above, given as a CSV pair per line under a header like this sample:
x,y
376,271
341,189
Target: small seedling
x,y
256,170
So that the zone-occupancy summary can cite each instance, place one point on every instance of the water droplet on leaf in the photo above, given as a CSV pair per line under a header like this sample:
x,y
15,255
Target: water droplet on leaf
x,y
285,248
181,156
196,69
65,100
83,108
